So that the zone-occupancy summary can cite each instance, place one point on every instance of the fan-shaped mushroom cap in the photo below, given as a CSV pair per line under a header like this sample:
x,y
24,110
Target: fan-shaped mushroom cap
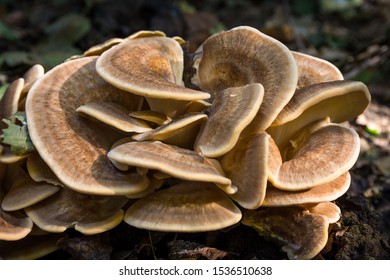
x,y
34,73
25,192
10,100
185,207
314,70
14,226
113,115
323,156
151,66
326,192
30,247
101,48
246,165
327,209
64,140
87,214
232,110
177,162
244,55
339,100
302,233
39,171
180,132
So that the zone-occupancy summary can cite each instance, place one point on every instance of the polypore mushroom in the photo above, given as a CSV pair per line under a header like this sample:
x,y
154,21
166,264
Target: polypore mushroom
x,y
114,115
25,192
322,155
185,207
39,171
246,165
14,225
314,70
177,162
72,149
180,132
231,111
31,76
302,234
244,55
327,209
326,192
87,214
152,117
339,100
151,67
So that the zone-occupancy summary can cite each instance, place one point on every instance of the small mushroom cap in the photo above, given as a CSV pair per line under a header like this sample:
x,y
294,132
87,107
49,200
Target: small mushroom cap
x,y
244,55
87,214
65,141
34,73
113,115
302,233
232,110
10,100
101,48
177,162
30,247
146,33
314,70
327,209
339,100
326,192
180,132
324,156
25,193
14,226
39,171
185,207
246,165
150,66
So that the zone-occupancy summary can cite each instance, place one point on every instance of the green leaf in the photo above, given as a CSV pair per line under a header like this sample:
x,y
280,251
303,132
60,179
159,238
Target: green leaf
x,y
16,134
15,58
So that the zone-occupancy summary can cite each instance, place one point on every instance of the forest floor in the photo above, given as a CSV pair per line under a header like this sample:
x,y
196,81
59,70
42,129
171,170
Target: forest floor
x,y
354,35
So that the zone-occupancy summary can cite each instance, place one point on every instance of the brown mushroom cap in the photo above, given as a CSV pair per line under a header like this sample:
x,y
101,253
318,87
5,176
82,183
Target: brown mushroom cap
x,y
323,156
327,209
314,70
39,171
34,73
232,110
302,233
185,207
339,100
87,214
64,140
246,165
326,192
150,66
180,132
244,55
10,100
101,48
177,162
25,192
14,226
113,115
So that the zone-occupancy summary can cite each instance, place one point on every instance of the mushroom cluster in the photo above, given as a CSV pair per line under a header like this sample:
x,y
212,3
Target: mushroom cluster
x,y
243,130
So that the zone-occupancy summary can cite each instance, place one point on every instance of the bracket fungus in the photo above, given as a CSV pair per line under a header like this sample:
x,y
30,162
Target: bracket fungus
x,y
252,133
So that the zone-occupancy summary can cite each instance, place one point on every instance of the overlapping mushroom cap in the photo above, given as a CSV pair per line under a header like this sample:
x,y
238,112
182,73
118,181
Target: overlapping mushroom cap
x,y
257,134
